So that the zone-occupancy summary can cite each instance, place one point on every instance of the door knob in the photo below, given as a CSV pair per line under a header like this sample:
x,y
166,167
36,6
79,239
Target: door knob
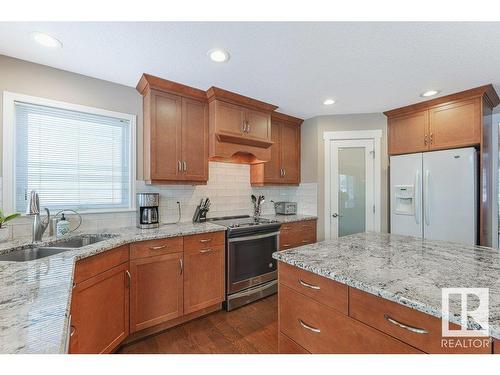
x,y
335,215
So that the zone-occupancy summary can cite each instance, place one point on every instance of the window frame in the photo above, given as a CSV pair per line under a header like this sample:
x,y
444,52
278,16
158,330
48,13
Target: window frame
x,y
9,152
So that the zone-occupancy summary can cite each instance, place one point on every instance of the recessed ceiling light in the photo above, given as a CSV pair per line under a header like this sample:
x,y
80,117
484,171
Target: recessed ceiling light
x,y
218,55
46,40
329,102
429,93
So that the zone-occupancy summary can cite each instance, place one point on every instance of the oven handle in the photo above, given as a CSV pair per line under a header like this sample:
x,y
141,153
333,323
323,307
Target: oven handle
x,y
253,237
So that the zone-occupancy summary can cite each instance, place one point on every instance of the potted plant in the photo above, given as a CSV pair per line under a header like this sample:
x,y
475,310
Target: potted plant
x,y
4,232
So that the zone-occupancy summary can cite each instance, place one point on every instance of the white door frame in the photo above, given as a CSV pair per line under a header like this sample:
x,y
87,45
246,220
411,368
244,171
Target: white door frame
x,y
331,136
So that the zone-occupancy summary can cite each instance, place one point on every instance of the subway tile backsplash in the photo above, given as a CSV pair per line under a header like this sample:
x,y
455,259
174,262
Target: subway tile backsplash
x,y
228,189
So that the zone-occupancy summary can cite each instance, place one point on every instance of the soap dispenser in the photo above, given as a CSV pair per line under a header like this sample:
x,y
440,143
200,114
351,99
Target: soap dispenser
x,y
62,226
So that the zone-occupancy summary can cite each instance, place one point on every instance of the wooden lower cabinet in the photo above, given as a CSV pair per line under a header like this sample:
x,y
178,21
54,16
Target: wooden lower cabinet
x,y
203,278
156,292
297,233
313,314
287,346
100,312
320,329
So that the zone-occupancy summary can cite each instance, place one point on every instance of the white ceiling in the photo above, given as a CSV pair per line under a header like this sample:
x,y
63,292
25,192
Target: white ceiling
x,y
365,67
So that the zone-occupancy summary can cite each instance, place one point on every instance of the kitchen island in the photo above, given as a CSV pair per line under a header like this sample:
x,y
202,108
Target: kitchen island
x,y
381,293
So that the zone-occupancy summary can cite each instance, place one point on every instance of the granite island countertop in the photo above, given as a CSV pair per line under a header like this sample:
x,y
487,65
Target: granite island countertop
x,y
407,270
35,296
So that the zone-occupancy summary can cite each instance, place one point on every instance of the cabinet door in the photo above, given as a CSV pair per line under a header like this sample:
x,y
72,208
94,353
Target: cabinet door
x,y
156,290
258,124
455,125
409,133
100,312
272,169
194,140
230,118
203,278
290,151
165,136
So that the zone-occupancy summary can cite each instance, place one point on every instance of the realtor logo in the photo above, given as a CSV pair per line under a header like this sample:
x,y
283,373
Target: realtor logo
x,y
477,313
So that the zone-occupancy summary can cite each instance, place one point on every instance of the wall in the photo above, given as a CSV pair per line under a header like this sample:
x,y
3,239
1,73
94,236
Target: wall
x,y
228,186
313,159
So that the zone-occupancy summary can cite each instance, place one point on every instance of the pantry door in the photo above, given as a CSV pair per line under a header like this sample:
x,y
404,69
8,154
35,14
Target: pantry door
x,y
353,181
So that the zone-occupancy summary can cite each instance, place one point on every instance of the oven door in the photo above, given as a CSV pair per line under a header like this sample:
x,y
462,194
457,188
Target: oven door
x,y
250,261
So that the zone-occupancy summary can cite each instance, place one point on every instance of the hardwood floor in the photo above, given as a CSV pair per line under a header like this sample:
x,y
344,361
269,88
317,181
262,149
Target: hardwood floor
x,y
252,329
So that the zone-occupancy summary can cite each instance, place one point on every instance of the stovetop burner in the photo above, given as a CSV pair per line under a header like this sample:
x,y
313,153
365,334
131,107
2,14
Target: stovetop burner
x,y
245,223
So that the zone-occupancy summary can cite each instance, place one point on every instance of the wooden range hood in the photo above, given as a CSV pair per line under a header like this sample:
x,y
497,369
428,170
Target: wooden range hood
x,y
239,128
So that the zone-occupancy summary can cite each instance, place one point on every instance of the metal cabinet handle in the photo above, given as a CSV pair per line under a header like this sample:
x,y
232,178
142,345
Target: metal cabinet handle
x,y
306,326
205,240
425,140
179,166
205,251
72,332
284,172
287,245
248,127
181,266
432,139
286,228
158,247
129,277
407,327
307,285
244,126
184,163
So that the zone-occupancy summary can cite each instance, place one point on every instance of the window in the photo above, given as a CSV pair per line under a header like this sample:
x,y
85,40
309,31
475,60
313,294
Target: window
x,y
75,157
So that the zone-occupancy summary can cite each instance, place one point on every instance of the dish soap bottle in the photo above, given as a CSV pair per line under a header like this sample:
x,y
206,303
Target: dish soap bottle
x,y
62,227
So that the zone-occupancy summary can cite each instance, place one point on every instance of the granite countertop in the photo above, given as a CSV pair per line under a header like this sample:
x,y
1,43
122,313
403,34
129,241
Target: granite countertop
x,y
289,218
35,296
407,270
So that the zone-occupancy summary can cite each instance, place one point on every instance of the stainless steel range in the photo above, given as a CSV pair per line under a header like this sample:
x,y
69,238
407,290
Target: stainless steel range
x,y
251,271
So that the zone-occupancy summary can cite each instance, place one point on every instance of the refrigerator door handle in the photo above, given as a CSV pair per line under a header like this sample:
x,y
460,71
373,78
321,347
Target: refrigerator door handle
x,y
427,206
418,196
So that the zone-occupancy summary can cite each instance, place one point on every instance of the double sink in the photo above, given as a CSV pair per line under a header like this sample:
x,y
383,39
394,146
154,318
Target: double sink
x,y
33,252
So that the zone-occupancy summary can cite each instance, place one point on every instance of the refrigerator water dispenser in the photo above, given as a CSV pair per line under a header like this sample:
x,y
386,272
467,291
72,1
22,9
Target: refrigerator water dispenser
x,y
404,200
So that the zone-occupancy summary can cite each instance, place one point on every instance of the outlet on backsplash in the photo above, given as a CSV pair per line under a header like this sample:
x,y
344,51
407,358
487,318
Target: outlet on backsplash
x,y
229,190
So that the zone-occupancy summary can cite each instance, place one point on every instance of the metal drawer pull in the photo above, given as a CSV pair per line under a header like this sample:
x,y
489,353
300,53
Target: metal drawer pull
x,y
315,330
285,228
73,330
286,245
409,328
129,280
184,163
206,240
181,265
158,247
205,251
307,285
179,165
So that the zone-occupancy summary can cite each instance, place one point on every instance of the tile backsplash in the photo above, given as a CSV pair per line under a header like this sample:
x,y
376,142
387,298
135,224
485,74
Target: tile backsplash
x,y
228,188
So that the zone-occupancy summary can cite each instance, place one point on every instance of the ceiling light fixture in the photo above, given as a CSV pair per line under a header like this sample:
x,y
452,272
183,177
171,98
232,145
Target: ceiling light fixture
x,y
429,93
218,55
329,102
46,40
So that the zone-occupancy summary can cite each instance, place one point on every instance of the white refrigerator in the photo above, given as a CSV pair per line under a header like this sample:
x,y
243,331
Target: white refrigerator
x,y
434,195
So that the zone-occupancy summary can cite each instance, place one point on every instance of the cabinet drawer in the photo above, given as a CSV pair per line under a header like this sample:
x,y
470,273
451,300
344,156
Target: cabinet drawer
x,y
288,346
94,265
323,290
320,329
204,240
387,316
156,247
298,233
496,346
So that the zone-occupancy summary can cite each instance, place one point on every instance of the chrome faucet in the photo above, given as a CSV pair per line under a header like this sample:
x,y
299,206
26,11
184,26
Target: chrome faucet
x,y
34,209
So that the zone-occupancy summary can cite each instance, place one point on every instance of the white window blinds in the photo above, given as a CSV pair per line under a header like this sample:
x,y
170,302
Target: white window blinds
x,y
72,159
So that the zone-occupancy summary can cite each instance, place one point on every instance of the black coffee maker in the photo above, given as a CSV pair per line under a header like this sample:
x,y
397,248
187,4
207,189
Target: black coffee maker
x,y
148,214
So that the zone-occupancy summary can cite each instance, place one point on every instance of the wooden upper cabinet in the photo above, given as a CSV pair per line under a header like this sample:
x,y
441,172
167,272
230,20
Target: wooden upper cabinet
x,y
448,122
194,150
230,118
284,166
290,153
175,131
258,124
455,125
156,291
100,303
408,133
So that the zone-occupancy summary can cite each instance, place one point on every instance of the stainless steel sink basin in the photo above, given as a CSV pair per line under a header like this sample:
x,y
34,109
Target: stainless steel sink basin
x,y
30,253
82,240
